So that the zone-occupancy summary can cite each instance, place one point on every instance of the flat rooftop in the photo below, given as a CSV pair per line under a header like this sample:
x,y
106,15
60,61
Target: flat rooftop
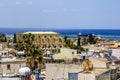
x,y
99,71
10,79
11,60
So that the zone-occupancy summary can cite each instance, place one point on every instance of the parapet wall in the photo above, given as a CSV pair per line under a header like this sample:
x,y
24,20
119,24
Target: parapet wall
x,y
60,71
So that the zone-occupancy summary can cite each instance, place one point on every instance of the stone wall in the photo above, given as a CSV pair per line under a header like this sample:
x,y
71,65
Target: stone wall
x,y
51,42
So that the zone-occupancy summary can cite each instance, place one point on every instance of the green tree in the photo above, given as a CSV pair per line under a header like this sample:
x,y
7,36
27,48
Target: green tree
x,y
91,39
65,38
73,46
34,56
14,38
3,37
78,41
85,41
19,45
68,42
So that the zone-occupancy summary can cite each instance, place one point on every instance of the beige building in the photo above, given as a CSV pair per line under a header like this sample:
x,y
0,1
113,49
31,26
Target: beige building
x,y
102,70
51,41
10,67
61,72
99,62
66,54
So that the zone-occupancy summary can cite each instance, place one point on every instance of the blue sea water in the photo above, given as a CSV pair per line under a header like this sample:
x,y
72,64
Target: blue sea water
x,y
72,33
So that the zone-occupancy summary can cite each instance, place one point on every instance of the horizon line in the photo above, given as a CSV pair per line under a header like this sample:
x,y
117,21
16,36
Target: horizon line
x,y
59,28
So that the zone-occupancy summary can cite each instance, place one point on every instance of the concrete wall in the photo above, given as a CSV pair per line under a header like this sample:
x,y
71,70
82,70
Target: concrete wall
x,y
86,76
65,53
66,50
14,67
97,63
116,53
104,76
58,71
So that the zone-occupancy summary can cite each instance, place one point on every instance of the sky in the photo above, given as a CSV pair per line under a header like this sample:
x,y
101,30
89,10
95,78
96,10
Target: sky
x,y
60,14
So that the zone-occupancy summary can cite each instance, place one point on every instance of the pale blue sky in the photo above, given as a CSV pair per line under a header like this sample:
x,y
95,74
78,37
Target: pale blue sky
x,y
63,14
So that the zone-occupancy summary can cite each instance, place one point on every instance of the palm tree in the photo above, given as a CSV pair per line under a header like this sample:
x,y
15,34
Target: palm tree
x,y
14,38
84,41
65,38
91,39
34,56
19,45
78,41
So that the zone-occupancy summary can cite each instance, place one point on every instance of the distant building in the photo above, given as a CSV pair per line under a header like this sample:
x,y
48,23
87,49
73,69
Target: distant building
x,y
66,54
7,53
45,41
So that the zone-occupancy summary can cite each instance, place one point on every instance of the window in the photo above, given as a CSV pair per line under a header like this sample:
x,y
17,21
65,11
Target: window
x,y
72,53
5,53
50,36
19,65
8,66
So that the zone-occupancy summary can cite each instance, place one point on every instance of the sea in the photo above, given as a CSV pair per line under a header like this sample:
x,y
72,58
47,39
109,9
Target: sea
x,y
107,34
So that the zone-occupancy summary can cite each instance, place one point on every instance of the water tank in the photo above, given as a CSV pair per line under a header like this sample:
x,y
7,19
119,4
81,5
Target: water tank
x,y
20,53
90,53
24,71
48,53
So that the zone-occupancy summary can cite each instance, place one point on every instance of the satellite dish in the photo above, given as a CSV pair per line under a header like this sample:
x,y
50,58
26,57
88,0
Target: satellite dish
x,y
87,65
